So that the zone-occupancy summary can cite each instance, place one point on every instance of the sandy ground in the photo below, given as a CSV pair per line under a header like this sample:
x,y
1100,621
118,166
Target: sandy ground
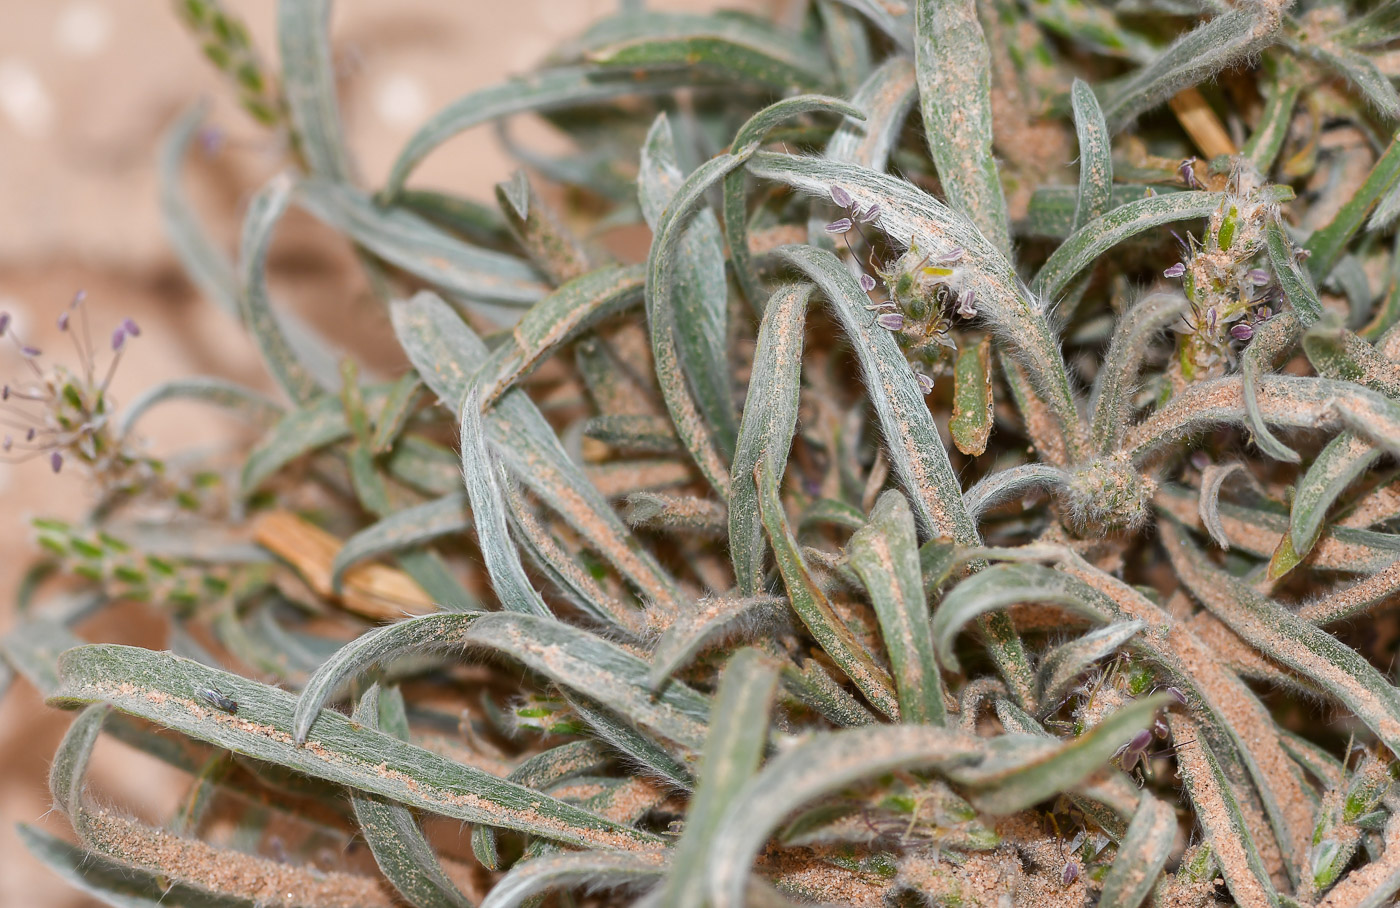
x,y
87,88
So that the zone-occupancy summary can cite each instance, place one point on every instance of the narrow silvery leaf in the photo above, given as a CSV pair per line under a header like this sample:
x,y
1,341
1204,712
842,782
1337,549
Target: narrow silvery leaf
x,y
767,425
846,41
541,232
508,579
994,488
812,605
636,748
116,883
420,636
746,141
1339,464
403,529
1218,810
403,854
885,98
910,216
1095,156
541,772
1297,286
1196,56
317,425
825,764
548,90
1284,637
163,689
447,354
309,85
558,319
1062,666
533,878
1088,243
404,239
711,620
954,76
885,555
916,452
247,403
729,48
262,217
1110,400
733,749
1018,771
1212,478
687,301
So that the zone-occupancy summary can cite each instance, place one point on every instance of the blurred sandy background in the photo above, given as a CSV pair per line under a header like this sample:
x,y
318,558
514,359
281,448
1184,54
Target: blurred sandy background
x,y
87,89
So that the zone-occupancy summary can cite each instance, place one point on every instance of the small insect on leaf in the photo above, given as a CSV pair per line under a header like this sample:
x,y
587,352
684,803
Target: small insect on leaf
x,y
217,700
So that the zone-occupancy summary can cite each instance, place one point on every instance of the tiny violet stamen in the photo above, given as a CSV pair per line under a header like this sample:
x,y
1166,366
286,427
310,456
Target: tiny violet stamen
x,y
1187,173
951,256
4,323
7,445
78,299
118,338
841,197
867,283
1242,332
967,304
29,436
56,461
1259,277
31,352
890,321
1176,270
131,328
63,322
840,226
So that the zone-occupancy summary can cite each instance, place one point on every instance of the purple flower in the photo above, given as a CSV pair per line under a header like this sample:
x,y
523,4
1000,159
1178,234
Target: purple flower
x,y
869,214
56,461
1070,873
1259,277
131,328
967,304
1187,173
952,255
867,283
77,299
1177,695
925,383
840,226
1242,331
1264,313
1210,318
30,352
1176,270
63,322
841,197
118,339
890,321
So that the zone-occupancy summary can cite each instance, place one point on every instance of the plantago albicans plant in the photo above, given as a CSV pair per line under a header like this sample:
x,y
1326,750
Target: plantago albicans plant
x,y
980,493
